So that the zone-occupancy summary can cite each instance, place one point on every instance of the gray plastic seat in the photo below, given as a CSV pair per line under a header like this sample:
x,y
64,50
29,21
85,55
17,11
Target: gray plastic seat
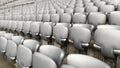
x,y
39,62
46,30
60,32
24,57
39,17
56,53
11,49
3,44
100,3
69,10
96,18
26,27
8,36
91,9
79,18
31,44
114,18
65,18
107,41
88,26
54,18
35,28
79,36
18,39
107,8
84,61
79,10
14,25
2,33
20,26
46,18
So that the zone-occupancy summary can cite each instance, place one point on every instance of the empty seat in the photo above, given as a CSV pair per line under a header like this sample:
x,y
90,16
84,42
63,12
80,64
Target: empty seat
x,y
56,53
114,18
79,18
8,36
2,33
96,18
69,10
100,3
79,36
39,17
91,9
109,41
65,18
107,8
31,44
14,25
24,56
3,44
79,10
39,62
26,27
54,18
46,32
83,61
46,18
35,28
11,49
19,26
18,39
60,32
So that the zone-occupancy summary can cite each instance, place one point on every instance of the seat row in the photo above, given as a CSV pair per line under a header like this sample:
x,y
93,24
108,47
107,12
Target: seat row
x,y
28,53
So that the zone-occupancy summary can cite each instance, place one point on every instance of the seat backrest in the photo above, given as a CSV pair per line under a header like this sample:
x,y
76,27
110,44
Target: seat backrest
x,y
46,18
69,10
96,18
114,18
18,39
11,49
24,56
39,17
79,36
100,3
46,29
84,61
56,53
14,25
91,9
65,18
20,26
31,44
79,18
8,36
35,28
54,18
60,32
108,40
26,26
39,62
107,8
2,33
3,44
79,10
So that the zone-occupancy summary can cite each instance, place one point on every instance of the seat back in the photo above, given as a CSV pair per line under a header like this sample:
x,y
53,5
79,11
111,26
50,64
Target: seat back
x,y
56,53
39,62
